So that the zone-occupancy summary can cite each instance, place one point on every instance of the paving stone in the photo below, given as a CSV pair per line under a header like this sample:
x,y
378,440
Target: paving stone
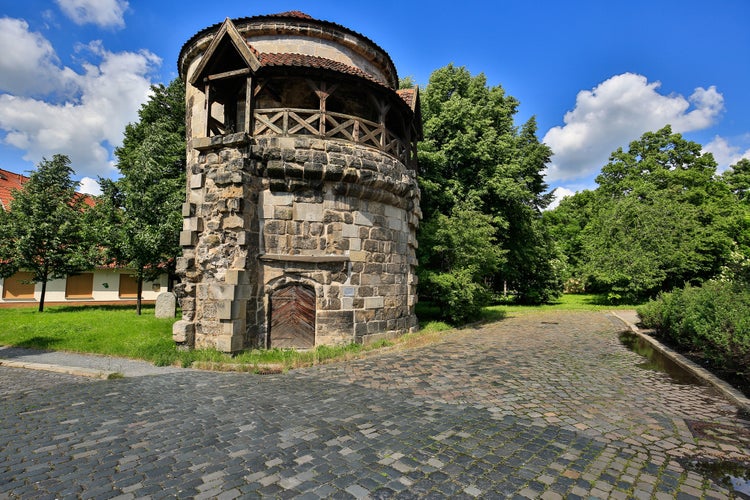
x,y
466,417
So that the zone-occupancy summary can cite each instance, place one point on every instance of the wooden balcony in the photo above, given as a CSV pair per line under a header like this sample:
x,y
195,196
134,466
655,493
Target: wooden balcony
x,y
329,125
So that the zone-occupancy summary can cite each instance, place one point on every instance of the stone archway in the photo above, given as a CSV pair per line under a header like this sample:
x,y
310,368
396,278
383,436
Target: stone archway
x,y
292,317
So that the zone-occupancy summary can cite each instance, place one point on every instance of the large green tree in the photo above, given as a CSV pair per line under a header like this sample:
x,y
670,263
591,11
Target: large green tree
x,y
45,232
141,209
660,218
477,169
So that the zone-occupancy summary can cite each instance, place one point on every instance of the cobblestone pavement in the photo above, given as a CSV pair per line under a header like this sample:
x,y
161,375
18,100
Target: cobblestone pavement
x,y
537,406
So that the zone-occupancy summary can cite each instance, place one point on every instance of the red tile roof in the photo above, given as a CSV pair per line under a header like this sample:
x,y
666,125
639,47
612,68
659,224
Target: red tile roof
x,y
409,96
10,181
306,61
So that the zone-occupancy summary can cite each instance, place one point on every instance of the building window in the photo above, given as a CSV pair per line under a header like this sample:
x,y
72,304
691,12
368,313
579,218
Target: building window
x,y
128,287
80,286
18,286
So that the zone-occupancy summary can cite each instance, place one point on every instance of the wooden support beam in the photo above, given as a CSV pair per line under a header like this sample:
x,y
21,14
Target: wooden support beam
x,y
227,74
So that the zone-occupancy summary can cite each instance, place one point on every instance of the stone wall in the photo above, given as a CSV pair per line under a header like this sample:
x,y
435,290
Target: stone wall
x,y
264,213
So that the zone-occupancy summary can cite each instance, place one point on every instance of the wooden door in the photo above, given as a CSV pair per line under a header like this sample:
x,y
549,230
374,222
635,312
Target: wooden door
x,y
293,317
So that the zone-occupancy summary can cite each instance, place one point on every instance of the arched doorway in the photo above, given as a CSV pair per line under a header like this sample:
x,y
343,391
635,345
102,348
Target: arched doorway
x,y
293,317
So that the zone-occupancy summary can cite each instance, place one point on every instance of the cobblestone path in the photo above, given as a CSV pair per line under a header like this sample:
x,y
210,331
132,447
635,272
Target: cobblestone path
x,y
536,406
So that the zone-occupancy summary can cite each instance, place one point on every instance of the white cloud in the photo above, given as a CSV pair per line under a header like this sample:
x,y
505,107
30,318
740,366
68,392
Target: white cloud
x,y
724,153
29,65
107,93
560,193
617,111
103,13
89,186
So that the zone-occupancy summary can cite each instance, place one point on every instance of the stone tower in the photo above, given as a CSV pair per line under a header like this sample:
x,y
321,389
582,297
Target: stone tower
x,y
302,200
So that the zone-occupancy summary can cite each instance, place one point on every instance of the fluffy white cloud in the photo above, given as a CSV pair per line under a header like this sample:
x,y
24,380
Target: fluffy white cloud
x,y
560,193
29,65
107,94
617,111
724,153
104,13
90,186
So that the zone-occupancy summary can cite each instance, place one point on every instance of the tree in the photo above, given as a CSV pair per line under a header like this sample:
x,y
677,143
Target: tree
x,y
141,210
565,225
44,230
474,159
460,249
737,177
660,218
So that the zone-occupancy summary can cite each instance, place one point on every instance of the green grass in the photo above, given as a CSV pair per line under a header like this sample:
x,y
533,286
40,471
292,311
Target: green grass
x,y
568,302
118,331
110,330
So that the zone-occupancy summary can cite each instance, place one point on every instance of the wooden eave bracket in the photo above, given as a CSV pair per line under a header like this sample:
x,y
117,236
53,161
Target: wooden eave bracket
x,y
227,29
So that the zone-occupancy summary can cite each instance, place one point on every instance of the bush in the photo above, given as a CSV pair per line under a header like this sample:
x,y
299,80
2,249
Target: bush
x,y
458,297
712,320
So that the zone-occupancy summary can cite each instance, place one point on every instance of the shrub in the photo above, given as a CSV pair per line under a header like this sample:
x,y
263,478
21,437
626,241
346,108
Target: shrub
x,y
712,320
458,297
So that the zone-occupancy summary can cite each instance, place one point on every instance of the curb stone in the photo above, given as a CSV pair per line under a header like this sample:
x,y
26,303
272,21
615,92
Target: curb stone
x,y
69,370
698,371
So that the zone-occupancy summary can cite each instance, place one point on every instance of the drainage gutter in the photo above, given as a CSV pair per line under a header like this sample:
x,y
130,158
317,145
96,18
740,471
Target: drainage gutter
x,y
701,373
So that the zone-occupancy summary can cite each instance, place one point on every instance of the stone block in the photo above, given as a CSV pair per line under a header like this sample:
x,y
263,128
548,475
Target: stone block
x,y
230,309
166,305
188,238
312,212
196,181
349,231
235,276
395,224
229,343
276,199
242,238
393,212
183,332
192,224
233,222
283,213
363,219
220,292
358,256
188,209
374,302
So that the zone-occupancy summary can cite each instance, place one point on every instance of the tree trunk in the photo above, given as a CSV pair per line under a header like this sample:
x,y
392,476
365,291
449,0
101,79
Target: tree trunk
x,y
41,298
138,296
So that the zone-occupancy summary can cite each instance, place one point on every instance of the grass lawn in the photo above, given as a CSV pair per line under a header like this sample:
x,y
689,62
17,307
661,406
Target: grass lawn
x,y
111,330
118,331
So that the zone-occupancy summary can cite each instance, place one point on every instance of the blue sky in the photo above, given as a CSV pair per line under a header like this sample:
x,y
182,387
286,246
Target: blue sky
x,y
596,74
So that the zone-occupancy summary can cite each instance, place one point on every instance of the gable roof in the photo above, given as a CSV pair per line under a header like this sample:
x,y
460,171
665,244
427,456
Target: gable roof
x,y
228,38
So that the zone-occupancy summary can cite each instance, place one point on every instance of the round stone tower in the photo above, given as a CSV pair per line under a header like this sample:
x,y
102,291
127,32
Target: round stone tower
x,y
302,200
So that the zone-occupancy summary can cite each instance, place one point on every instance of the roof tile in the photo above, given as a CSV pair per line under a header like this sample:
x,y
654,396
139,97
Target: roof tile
x,y
307,61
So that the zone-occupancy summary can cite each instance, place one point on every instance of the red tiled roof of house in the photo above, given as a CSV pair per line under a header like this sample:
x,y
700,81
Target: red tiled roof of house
x,y
10,181
306,61
408,96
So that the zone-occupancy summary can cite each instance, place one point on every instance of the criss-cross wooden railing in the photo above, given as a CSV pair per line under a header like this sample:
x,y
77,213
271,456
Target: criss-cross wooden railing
x,y
329,125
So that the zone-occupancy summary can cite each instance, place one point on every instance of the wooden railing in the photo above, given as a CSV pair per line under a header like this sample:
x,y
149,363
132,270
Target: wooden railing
x,y
329,125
